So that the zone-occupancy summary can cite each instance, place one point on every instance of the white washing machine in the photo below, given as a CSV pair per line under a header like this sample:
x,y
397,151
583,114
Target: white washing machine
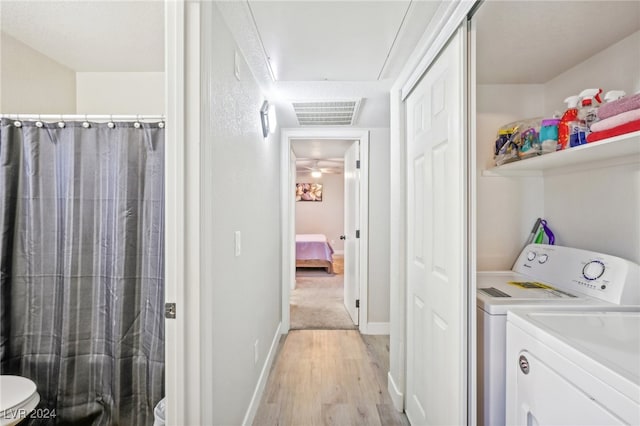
x,y
543,277
573,368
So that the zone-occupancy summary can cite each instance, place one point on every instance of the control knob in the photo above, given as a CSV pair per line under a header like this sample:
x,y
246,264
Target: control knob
x,y
593,270
531,255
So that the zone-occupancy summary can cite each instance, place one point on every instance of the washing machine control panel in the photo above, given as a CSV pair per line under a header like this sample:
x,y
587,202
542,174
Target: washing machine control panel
x,y
573,270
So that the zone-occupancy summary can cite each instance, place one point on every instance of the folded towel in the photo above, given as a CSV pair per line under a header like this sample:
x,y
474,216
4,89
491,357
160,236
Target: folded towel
x,y
617,107
616,120
632,126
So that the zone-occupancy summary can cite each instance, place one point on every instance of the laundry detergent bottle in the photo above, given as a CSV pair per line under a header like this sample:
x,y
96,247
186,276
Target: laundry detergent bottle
x,y
569,116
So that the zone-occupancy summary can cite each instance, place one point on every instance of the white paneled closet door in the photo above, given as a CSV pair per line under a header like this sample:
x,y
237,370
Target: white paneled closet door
x,y
437,241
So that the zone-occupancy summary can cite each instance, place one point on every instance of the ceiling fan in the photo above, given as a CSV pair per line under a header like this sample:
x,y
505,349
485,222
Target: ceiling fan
x,y
318,167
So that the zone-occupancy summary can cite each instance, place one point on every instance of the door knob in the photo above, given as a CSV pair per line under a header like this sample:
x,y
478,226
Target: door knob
x,y
343,237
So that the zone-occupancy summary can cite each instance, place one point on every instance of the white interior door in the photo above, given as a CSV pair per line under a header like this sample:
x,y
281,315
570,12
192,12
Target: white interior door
x,y
351,242
436,242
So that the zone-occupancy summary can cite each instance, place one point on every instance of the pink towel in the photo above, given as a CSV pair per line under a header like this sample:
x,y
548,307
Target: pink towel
x,y
632,126
616,120
618,107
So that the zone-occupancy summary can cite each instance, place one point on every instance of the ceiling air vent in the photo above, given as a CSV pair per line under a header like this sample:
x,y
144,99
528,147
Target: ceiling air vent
x,y
321,113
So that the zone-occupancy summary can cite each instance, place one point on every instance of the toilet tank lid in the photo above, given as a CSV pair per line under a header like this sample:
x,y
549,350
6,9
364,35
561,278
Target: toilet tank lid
x,y
14,391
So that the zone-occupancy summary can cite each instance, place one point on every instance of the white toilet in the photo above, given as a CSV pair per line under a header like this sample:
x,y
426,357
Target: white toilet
x,y
18,398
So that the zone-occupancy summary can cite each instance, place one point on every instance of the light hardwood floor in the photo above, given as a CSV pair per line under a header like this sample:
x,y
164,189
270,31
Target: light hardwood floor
x,y
329,377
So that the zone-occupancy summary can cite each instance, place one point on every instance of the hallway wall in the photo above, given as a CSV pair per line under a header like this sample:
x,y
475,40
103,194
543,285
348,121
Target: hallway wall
x,y
379,191
240,172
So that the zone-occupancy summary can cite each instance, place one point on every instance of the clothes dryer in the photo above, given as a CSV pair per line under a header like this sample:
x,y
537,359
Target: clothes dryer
x,y
573,368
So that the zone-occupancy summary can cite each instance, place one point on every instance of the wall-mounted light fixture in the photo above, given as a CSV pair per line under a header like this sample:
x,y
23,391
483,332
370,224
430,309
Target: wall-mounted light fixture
x,y
268,118
316,174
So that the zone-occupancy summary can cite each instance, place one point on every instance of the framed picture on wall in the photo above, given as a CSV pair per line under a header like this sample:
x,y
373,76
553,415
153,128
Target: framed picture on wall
x,y
308,192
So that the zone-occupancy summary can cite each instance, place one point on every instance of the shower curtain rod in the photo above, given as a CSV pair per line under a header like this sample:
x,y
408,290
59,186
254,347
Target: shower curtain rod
x,y
78,117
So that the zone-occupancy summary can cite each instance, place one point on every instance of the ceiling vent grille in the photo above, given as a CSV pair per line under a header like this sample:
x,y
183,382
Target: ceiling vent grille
x,y
321,113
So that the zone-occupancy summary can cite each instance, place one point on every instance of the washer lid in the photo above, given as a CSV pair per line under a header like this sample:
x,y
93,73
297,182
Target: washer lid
x,y
525,292
14,391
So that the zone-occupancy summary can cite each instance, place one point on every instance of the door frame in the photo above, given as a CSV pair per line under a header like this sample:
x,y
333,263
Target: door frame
x,y
287,209
184,394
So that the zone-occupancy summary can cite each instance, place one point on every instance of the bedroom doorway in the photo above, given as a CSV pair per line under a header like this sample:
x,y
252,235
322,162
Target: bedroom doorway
x,y
317,297
324,191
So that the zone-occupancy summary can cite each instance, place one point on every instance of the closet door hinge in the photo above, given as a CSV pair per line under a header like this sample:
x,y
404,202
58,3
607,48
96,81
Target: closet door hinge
x,y
358,233
170,310
357,303
357,164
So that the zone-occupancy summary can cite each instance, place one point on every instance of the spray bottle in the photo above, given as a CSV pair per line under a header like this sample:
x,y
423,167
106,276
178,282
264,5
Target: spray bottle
x,y
569,116
590,103
614,95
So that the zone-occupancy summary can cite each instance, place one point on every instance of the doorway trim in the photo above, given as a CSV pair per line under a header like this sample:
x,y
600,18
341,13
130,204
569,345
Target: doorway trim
x,y
287,213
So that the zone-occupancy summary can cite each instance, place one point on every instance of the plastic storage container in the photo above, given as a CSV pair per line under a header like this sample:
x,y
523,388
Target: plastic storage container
x,y
506,150
549,135
517,141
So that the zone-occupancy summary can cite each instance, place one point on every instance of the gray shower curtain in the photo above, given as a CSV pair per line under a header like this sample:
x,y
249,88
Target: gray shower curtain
x,y
81,268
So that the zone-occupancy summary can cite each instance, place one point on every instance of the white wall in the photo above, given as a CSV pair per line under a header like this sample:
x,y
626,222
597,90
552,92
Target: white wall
x,y
32,82
120,93
379,193
506,207
241,192
598,209
617,67
326,217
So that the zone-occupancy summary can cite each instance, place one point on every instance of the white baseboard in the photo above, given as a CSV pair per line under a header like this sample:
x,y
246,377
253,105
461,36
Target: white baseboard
x,y
339,252
377,328
396,396
262,380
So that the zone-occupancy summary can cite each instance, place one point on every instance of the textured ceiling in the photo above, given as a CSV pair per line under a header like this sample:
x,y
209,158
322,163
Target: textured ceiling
x,y
512,45
90,35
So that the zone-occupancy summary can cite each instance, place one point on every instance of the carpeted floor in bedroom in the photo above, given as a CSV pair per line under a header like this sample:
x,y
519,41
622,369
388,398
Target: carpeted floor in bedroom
x,y
317,300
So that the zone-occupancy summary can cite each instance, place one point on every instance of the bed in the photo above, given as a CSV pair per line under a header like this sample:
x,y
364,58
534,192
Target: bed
x,y
314,251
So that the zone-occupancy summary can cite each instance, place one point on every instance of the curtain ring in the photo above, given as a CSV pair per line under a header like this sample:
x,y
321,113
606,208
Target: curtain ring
x,y
17,123
137,123
39,122
86,123
111,124
61,123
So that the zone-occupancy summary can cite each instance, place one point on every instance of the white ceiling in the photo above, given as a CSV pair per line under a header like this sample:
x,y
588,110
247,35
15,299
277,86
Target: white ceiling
x,y
331,165
511,46
337,41
344,42
91,35
320,148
